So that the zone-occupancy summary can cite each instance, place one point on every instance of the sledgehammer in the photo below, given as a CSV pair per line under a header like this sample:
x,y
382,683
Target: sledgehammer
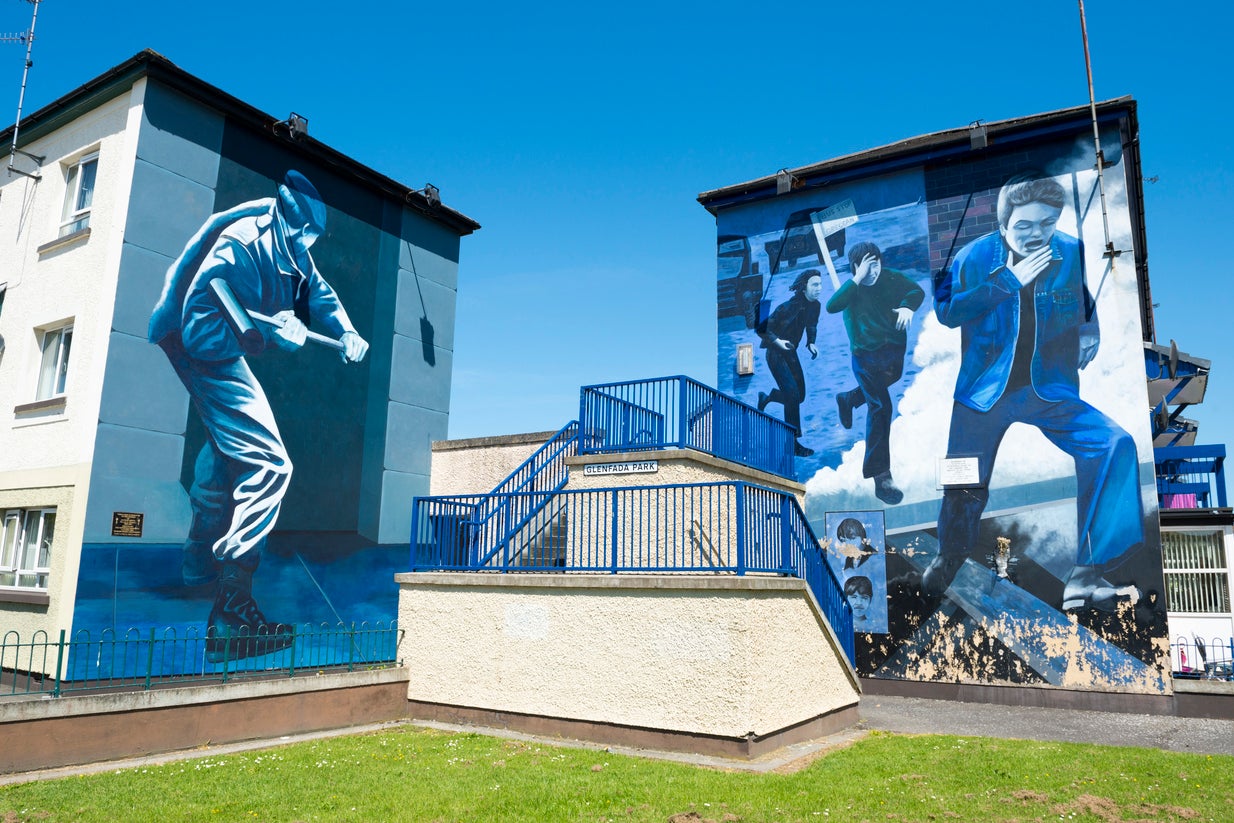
x,y
241,321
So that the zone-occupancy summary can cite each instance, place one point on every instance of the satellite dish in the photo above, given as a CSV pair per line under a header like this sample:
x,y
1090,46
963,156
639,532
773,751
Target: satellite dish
x,y
1162,420
1173,359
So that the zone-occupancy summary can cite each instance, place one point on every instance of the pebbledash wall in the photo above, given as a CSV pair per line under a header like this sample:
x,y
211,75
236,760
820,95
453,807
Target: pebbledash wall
x,y
1024,606
114,452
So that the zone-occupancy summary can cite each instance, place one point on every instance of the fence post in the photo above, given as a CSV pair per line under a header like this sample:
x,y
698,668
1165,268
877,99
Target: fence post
x,y
150,659
741,528
55,691
415,535
613,527
583,423
786,537
351,648
682,423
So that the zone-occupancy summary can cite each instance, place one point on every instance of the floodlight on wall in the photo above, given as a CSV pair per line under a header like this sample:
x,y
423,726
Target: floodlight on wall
x,y
786,181
977,136
745,359
297,126
430,193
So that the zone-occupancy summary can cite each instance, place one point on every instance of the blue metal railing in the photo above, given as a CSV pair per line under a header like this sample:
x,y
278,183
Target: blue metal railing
x,y
462,525
546,469
678,412
731,527
141,659
1190,477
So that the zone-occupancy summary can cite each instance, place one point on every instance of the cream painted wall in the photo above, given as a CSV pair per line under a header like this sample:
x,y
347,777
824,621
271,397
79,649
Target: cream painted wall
x,y
476,466
723,656
57,487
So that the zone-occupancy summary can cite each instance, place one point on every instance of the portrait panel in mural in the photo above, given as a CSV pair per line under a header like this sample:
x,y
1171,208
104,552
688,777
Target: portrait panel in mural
x,y
976,378
856,550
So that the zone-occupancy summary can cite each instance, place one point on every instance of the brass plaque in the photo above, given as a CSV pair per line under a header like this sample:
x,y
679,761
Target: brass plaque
x,y
127,524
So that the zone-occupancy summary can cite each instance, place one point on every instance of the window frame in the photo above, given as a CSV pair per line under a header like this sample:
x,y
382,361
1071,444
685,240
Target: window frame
x,y
1192,580
27,573
58,385
74,215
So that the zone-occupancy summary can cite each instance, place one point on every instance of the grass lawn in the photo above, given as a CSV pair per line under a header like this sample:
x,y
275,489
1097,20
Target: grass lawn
x,y
410,773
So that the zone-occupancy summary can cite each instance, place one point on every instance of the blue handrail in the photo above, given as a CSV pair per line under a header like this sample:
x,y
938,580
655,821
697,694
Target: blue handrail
x,y
679,412
455,530
731,527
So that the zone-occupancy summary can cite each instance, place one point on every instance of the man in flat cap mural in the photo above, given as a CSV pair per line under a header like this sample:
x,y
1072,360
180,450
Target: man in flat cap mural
x,y
260,252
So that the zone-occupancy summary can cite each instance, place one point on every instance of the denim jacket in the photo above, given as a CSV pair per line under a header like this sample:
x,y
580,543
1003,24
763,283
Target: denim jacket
x,y
981,296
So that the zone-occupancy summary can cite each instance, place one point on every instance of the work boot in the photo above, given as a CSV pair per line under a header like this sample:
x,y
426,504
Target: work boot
x,y
763,400
885,489
1087,589
938,575
236,628
800,450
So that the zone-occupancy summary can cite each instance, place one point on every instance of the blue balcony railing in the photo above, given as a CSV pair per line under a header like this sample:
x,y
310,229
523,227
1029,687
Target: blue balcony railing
x,y
140,659
731,527
1190,477
677,412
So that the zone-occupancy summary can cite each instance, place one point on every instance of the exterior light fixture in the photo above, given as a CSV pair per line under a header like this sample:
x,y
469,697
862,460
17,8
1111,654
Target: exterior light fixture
x,y
977,137
297,126
786,181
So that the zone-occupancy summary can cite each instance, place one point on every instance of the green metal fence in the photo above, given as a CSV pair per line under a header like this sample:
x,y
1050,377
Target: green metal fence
x,y
140,659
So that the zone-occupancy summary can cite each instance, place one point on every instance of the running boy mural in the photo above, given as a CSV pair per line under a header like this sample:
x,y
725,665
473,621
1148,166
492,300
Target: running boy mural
x,y
997,354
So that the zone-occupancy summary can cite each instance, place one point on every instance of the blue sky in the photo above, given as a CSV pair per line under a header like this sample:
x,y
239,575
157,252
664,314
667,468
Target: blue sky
x,y
579,135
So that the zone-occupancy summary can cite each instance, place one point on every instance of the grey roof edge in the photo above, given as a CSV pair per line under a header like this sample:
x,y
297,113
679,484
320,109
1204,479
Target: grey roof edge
x,y
151,64
955,138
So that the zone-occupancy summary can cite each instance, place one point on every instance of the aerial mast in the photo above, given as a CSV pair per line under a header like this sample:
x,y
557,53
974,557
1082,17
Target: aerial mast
x,y
26,37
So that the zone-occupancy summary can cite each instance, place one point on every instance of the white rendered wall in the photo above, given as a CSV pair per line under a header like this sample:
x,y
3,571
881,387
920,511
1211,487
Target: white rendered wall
x,y
45,457
75,281
721,656
1219,628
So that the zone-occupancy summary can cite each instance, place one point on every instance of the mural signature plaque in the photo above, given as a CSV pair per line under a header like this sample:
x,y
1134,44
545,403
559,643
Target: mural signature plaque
x,y
127,524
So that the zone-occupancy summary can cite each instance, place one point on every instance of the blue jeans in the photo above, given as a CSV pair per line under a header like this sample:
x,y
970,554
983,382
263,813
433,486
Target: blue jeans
x,y
243,470
876,371
790,390
1109,514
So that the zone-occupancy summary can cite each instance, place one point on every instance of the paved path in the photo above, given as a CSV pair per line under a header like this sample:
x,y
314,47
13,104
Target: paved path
x,y
914,715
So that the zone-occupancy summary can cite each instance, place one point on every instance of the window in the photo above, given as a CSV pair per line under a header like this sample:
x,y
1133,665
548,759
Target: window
x,y
25,547
1196,575
54,365
79,195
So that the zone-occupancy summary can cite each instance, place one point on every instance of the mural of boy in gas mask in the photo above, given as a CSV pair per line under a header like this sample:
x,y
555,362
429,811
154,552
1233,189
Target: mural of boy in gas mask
x,y
260,250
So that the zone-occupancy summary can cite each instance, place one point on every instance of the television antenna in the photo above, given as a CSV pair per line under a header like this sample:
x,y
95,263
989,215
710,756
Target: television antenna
x,y
1110,253
26,37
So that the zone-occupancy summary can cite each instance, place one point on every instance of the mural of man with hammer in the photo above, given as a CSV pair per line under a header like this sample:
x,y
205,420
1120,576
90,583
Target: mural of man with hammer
x,y
249,263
